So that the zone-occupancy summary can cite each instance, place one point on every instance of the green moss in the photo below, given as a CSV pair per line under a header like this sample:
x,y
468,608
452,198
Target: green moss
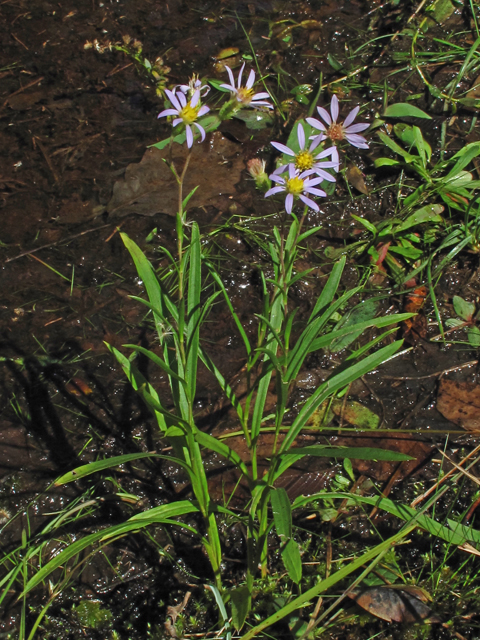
x,y
90,615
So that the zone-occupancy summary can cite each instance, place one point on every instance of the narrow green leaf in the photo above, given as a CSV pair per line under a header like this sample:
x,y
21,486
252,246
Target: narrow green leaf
x,y
193,311
335,382
323,585
101,465
186,200
163,515
292,560
405,110
428,213
282,513
241,604
368,225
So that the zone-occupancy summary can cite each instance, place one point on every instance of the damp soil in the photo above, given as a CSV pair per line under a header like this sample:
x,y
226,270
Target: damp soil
x,y
74,128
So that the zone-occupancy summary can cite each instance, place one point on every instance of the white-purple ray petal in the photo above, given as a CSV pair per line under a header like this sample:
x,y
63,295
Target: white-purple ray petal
x,y
330,164
301,136
334,108
255,103
195,99
251,79
324,174
173,99
316,141
189,133
276,178
230,87
356,128
323,113
176,121
351,117
239,81
316,192
203,110
292,172
281,169
316,124
289,203
310,203
182,99
273,191
230,76
168,112
283,148
311,182
356,141
201,129
262,94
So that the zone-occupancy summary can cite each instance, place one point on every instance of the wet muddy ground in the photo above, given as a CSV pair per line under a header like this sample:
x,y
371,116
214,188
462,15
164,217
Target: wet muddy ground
x,y
73,123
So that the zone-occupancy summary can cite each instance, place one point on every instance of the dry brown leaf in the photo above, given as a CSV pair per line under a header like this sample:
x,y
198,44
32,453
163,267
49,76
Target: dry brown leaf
x,y
459,402
395,603
149,187
355,177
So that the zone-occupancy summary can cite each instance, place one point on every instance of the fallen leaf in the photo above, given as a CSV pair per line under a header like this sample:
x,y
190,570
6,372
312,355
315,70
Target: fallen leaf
x,y
459,402
351,412
149,187
395,603
415,328
78,387
355,177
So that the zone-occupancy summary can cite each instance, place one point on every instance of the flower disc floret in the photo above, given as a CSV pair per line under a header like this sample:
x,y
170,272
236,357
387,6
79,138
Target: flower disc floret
x,y
337,131
294,186
187,113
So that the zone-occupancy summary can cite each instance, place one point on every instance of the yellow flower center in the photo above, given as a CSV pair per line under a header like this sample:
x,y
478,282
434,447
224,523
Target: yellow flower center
x,y
294,186
304,160
245,95
188,114
335,132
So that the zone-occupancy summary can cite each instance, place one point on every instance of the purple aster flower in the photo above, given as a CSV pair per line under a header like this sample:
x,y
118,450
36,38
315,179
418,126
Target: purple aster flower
x,y
187,112
194,85
296,186
305,160
245,95
336,131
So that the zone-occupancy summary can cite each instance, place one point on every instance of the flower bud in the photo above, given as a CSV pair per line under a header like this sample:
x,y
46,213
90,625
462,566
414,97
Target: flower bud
x,y
256,168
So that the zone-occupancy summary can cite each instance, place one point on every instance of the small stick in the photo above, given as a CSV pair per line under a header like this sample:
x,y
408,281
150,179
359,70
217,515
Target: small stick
x,y
53,244
470,363
19,41
445,477
27,86
47,158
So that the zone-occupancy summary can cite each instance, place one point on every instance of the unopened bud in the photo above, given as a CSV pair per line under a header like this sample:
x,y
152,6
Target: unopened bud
x,y
256,168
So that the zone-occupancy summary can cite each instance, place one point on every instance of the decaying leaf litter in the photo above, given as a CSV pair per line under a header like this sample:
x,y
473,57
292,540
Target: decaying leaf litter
x,y
71,132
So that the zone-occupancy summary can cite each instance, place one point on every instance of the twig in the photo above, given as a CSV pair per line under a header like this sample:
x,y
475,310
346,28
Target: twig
x,y
445,477
470,363
53,244
27,86
47,158
19,41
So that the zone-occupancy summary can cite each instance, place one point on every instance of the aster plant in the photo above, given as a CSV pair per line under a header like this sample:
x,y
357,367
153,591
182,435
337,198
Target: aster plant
x,y
337,131
242,96
187,113
297,185
305,160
